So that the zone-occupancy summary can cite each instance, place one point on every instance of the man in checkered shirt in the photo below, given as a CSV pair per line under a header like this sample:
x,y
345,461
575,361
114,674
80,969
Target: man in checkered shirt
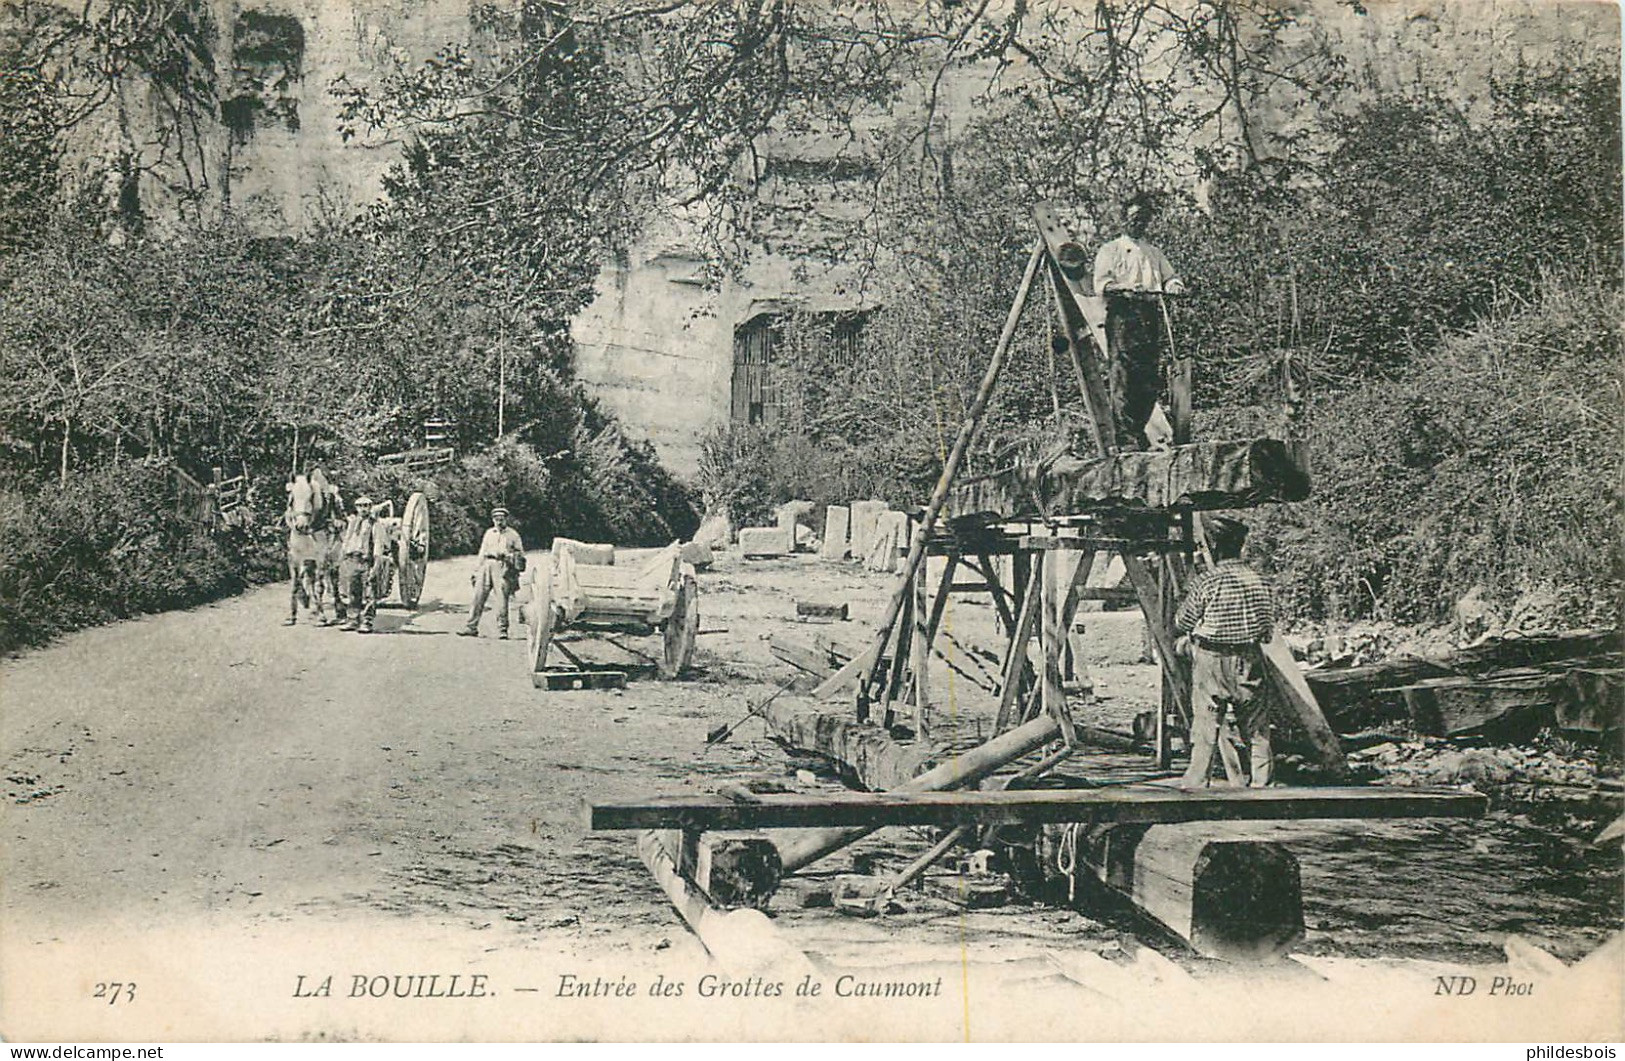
x,y
1228,613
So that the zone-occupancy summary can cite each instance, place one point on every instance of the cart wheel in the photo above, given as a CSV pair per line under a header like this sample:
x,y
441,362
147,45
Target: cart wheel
x,y
539,617
681,629
412,549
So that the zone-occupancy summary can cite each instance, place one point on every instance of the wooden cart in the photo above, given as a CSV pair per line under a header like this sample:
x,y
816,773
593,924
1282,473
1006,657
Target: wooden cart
x,y
660,596
408,536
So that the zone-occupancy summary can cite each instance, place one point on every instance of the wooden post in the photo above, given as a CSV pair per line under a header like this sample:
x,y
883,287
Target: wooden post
x,y
1050,636
732,868
950,471
925,619
1015,658
811,845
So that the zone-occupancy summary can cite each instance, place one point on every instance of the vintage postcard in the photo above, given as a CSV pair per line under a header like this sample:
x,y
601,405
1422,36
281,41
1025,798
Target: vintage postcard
x,y
752,520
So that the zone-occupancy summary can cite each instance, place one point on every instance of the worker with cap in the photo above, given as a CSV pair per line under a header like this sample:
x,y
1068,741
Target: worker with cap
x,y
360,546
501,558
1132,275
1225,618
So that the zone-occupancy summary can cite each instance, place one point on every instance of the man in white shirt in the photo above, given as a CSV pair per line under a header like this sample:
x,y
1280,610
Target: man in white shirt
x,y
1133,275
501,551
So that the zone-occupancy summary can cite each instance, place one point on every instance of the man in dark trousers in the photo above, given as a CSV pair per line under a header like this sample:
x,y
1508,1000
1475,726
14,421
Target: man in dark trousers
x,y
1228,613
1133,275
359,547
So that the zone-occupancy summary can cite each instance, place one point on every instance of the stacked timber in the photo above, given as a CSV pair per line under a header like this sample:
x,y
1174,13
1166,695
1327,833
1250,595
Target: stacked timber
x,y
1502,688
1200,476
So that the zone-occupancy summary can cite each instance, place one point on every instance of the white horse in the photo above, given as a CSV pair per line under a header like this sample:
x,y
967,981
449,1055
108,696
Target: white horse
x,y
314,509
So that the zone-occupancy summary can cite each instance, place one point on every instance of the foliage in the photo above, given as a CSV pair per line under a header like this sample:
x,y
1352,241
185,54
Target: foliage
x,y
1488,463
110,545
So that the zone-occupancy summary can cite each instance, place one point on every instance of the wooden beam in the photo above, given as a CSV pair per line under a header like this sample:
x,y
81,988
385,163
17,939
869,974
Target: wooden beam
x,y
1294,692
1143,804
1232,899
1015,658
1198,475
733,869
865,752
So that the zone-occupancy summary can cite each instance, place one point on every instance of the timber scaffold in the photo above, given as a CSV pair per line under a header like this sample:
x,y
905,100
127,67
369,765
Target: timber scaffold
x,y
1030,534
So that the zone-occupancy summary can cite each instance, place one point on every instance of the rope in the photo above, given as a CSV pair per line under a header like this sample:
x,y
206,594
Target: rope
x,y
1066,858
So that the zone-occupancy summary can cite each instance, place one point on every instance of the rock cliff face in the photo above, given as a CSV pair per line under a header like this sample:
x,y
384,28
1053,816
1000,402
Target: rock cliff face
x,y
658,342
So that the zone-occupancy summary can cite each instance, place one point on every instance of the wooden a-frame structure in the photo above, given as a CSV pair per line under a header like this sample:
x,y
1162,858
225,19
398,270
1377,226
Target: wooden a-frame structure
x,y
1053,522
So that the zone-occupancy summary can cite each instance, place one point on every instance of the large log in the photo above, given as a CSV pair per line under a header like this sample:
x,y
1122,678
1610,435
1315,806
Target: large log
x,y
927,802
1355,698
864,751
1233,899
1199,475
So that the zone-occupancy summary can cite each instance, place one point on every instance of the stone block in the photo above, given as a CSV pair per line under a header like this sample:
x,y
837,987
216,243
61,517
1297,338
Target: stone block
x,y
763,542
837,520
865,514
600,554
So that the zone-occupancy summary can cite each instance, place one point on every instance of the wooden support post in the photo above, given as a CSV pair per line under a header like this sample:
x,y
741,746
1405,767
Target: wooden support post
x,y
1234,899
902,642
1181,378
1003,602
1051,637
950,470
1015,658
964,770
925,619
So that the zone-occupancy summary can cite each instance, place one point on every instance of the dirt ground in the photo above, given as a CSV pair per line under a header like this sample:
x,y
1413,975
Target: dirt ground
x,y
226,805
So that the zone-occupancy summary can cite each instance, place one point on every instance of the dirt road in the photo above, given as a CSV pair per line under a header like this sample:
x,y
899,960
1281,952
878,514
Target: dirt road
x,y
227,810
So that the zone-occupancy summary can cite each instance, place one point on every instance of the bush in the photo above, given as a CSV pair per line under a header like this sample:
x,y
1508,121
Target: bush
x,y
109,545
1492,461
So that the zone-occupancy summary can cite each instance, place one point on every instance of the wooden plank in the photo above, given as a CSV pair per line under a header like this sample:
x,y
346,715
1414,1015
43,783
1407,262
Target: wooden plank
x,y
817,610
815,661
1143,804
566,680
1294,693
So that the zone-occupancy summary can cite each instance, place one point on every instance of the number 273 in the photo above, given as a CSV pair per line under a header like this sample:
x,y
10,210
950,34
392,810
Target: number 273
x,y
114,991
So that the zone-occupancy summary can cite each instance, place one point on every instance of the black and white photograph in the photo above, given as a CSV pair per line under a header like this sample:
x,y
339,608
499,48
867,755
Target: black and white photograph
x,y
854,521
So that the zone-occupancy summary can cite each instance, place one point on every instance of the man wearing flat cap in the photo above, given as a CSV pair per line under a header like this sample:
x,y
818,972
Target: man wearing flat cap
x,y
360,546
1225,618
1133,275
502,557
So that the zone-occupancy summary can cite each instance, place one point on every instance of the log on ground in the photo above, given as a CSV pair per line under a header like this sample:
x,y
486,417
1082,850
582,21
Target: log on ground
x,y
1229,897
865,752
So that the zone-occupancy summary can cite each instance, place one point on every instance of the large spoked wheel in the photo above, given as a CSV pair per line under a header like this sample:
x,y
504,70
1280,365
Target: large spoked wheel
x,y
539,619
681,630
412,549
